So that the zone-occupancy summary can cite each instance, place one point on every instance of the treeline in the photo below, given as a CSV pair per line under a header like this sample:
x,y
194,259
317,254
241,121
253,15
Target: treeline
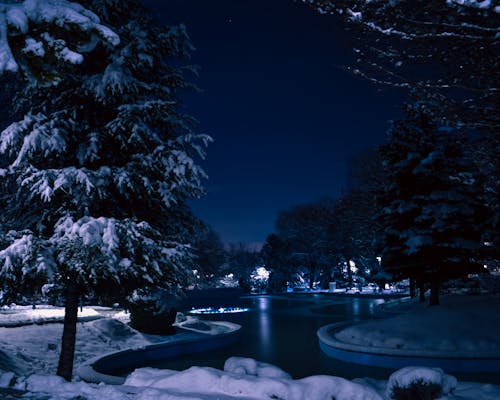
x,y
434,215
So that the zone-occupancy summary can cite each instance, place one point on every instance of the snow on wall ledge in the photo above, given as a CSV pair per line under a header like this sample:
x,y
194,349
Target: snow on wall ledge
x,y
106,368
400,358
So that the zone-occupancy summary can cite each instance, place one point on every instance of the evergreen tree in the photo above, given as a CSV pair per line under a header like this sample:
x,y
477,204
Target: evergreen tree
x,y
276,257
209,253
353,232
240,262
445,52
102,154
434,215
305,231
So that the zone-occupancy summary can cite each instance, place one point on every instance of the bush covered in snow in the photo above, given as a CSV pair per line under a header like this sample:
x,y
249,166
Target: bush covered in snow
x,y
419,383
154,313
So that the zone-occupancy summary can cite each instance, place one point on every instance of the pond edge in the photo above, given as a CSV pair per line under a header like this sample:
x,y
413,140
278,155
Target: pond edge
x,y
97,369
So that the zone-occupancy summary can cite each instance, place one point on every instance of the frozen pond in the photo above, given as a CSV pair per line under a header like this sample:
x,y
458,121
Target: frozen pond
x,y
281,330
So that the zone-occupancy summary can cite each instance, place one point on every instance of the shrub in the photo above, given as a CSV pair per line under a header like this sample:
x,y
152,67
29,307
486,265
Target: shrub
x,y
419,383
153,313
418,390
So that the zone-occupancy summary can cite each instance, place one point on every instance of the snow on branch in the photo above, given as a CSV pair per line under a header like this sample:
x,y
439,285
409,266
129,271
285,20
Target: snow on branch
x,y
34,133
7,62
17,18
92,231
392,19
483,5
46,182
123,249
26,254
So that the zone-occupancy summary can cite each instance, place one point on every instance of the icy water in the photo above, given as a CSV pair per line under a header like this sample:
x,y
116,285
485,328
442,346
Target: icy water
x,y
281,330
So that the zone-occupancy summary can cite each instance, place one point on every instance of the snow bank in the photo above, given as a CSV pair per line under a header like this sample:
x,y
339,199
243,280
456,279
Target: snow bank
x,y
11,364
59,389
211,381
113,329
249,366
24,316
200,383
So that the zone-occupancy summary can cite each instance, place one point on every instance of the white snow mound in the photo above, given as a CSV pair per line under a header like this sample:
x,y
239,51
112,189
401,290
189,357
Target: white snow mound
x,y
249,366
221,383
405,377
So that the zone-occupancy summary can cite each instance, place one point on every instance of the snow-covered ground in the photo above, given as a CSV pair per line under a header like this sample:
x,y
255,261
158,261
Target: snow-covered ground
x,y
461,325
28,357
25,315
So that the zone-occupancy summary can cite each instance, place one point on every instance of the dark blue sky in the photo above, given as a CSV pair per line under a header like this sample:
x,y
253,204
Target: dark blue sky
x,y
284,116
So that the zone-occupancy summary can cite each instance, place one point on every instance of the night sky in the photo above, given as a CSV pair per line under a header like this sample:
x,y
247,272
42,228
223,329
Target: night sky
x,y
285,117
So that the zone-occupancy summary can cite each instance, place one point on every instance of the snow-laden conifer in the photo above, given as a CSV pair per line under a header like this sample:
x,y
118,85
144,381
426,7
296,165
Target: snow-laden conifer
x,y
433,208
102,153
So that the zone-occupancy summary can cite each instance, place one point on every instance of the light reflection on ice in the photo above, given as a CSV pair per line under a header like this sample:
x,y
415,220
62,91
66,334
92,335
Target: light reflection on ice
x,y
355,307
263,303
265,324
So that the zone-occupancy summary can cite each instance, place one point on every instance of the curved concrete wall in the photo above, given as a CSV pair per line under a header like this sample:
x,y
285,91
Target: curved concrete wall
x,y
389,358
106,368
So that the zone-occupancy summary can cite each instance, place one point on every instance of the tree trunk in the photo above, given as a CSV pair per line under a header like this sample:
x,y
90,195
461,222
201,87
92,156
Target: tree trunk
x,y
65,366
434,297
349,272
412,287
312,265
421,289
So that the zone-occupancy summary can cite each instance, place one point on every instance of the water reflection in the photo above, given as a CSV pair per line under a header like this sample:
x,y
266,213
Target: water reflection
x,y
355,307
263,303
372,306
265,325
282,330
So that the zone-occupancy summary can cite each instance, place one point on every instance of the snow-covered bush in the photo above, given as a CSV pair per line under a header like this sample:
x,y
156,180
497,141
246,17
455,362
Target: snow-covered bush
x,y
259,279
419,383
154,312
227,281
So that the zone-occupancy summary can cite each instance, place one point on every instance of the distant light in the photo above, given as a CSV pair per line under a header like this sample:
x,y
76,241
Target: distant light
x,y
261,274
352,266
485,266
379,259
220,310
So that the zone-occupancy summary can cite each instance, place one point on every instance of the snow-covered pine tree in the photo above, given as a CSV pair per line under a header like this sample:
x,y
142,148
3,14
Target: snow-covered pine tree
x,y
433,207
448,51
103,152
